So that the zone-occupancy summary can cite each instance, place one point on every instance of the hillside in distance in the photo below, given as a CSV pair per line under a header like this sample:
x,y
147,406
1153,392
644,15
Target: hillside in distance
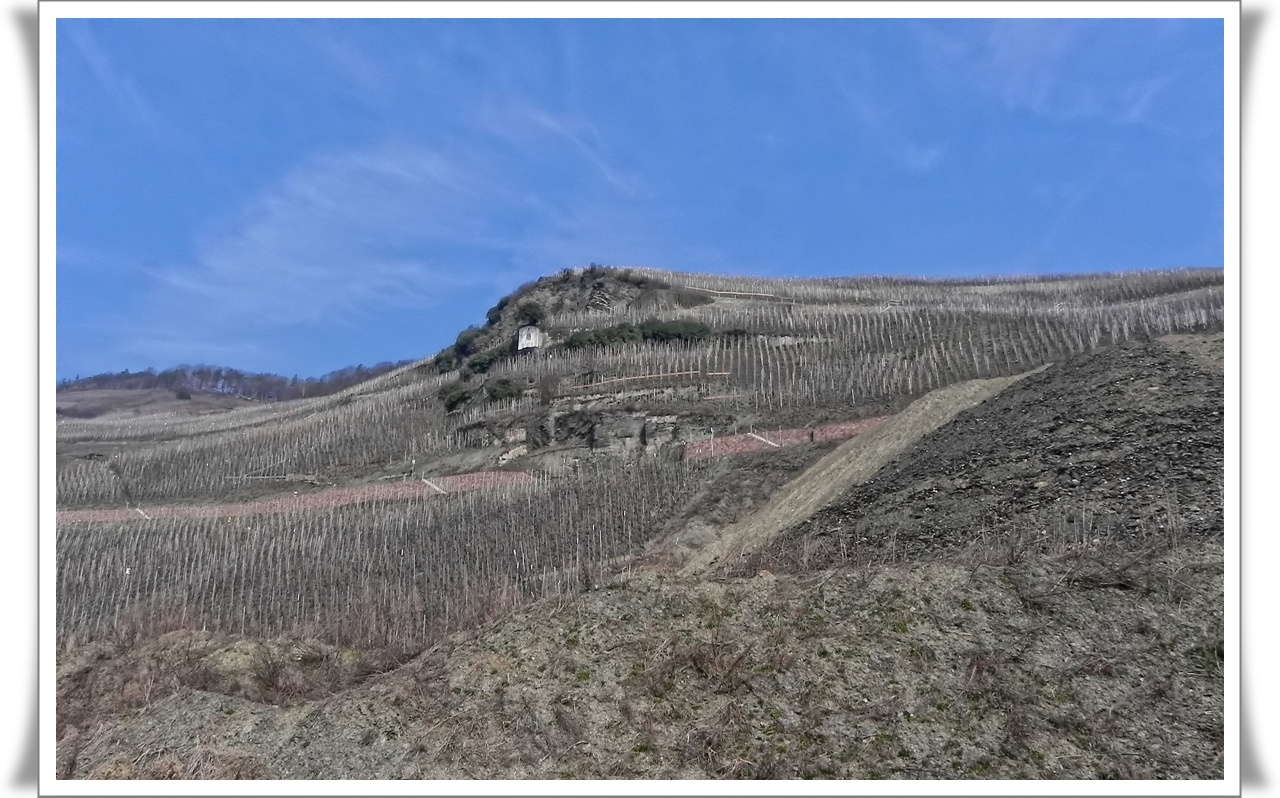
x,y
212,388
768,527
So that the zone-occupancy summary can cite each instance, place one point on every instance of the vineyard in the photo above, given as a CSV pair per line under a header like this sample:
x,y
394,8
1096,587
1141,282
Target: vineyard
x,y
724,446
806,357
371,573
334,497
727,445
399,563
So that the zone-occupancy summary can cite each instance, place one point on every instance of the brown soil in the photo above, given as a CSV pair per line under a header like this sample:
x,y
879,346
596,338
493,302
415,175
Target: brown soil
x,y
766,439
334,497
1206,351
726,446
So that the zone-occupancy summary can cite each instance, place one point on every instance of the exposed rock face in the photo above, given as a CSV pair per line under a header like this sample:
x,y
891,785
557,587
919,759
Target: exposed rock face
x,y
512,453
607,432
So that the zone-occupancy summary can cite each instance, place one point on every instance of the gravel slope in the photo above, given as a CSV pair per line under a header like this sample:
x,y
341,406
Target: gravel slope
x,y
1124,445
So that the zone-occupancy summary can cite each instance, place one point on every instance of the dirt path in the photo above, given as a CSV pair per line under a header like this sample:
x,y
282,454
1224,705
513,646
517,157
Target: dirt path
x,y
853,462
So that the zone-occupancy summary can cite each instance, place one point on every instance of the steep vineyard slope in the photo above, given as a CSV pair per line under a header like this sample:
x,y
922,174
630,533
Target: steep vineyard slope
x,y
853,462
715,352
261,630
1091,651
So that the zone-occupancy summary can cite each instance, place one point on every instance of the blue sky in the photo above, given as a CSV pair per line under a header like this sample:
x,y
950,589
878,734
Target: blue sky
x,y
295,196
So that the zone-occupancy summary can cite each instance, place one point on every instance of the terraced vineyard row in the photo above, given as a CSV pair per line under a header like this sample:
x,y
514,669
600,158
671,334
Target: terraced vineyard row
x,y
299,502
374,573
764,440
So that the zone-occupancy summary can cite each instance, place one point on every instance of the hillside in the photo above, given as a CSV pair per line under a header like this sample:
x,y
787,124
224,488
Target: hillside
x,y
714,527
91,397
118,403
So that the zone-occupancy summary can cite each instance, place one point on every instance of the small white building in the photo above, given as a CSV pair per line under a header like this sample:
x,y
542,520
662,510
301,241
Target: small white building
x,y
529,337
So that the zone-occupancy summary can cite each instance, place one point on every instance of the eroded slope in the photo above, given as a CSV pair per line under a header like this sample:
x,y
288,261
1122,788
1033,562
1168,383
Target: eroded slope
x,y
1125,444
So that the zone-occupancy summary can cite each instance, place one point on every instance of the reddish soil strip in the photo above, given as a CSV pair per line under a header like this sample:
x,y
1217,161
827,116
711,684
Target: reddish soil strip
x,y
746,442
482,480
334,497
458,483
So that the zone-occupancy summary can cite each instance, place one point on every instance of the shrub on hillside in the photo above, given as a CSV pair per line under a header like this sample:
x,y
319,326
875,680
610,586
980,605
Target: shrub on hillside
x,y
626,333
495,313
447,360
663,331
593,272
530,313
642,282
485,360
619,334
671,297
454,395
502,388
467,341
691,298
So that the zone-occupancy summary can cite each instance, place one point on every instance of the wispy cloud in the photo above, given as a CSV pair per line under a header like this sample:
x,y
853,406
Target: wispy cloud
x,y
891,133
1066,197
1020,62
121,89
401,225
520,121
1055,69
920,158
159,346
369,79
342,235
1137,99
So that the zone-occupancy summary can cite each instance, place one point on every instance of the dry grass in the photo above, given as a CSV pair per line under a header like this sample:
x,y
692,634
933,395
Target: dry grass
x,y
1097,664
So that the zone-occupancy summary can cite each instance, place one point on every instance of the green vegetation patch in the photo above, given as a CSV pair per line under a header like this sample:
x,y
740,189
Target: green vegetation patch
x,y
486,359
650,330
467,342
530,313
502,388
454,395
